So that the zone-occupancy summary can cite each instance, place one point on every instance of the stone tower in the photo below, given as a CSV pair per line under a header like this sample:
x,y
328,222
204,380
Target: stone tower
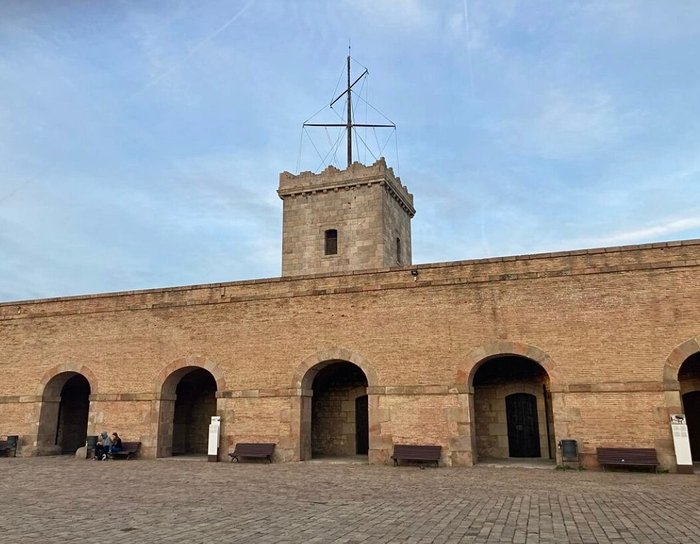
x,y
345,220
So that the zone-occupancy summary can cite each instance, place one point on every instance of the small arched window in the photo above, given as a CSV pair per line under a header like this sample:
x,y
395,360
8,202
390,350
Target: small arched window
x,y
398,250
331,242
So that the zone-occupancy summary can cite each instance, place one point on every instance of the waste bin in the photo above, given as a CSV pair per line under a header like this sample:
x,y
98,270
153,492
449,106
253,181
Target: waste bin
x,y
12,441
569,450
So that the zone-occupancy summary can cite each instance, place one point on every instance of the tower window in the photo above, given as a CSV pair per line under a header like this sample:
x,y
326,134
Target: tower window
x,y
331,242
398,250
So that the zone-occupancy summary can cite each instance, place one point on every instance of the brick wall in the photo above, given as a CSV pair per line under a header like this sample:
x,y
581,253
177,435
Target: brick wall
x,y
602,323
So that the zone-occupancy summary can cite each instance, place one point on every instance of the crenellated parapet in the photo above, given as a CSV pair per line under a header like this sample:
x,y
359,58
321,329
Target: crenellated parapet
x,y
356,175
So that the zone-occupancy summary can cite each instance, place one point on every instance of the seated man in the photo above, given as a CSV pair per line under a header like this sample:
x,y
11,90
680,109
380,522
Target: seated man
x,y
102,446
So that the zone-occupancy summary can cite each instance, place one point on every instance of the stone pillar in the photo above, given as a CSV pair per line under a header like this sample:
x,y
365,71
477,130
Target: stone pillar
x,y
459,421
304,428
166,416
380,444
48,426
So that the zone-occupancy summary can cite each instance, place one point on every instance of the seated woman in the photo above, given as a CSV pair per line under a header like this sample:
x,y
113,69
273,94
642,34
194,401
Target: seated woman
x,y
116,443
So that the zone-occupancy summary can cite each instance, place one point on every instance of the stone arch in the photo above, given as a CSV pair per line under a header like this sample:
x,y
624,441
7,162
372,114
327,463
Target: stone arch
x,y
681,376
51,373
478,356
675,360
303,378
65,391
180,366
334,367
187,390
511,370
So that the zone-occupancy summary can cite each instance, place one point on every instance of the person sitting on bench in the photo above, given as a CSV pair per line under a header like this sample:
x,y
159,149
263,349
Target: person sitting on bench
x,y
116,443
102,446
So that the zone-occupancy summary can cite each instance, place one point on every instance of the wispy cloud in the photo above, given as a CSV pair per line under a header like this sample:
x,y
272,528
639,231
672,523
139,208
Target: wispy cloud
x,y
670,228
570,123
410,14
193,50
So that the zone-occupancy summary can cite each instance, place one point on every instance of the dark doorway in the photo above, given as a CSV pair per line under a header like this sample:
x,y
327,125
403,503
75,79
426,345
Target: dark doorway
x,y
523,426
194,405
73,409
691,406
361,425
504,423
339,421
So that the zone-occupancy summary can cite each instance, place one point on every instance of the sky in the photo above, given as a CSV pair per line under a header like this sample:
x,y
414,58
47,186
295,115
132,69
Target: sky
x,y
141,142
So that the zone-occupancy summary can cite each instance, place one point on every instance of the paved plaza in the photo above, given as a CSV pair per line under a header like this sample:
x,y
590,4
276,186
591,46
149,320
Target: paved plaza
x,y
60,499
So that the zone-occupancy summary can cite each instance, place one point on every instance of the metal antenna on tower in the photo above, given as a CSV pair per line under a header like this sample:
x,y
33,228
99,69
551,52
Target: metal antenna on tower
x,y
349,125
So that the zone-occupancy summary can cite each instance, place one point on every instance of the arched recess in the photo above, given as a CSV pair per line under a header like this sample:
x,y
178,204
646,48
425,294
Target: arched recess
x,y
682,381
335,414
187,394
481,354
303,378
65,407
511,408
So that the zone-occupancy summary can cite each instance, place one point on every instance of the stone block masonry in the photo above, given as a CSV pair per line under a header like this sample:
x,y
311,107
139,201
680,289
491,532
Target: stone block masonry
x,y
366,206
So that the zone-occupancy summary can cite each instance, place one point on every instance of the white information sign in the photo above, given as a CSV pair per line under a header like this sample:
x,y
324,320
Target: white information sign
x,y
214,433
681,442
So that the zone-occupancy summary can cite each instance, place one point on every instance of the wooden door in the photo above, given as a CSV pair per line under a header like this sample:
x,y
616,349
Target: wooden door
x,y
361,426
523,426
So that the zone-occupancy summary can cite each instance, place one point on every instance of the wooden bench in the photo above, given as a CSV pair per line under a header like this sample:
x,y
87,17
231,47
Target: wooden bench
x,y
8,447
416,453
129,451
636,457
247,449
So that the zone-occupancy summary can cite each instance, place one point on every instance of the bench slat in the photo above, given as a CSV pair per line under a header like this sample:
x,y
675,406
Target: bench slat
x,y
411,452
627,456
129,450
248,449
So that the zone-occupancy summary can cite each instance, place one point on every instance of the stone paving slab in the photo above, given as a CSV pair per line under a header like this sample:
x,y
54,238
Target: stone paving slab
x,y
60,499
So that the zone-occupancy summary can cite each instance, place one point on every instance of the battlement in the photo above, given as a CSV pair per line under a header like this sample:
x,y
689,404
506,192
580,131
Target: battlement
x,y
333,179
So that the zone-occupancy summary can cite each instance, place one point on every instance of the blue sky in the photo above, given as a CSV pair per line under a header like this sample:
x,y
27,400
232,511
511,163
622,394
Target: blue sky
x,y
141,142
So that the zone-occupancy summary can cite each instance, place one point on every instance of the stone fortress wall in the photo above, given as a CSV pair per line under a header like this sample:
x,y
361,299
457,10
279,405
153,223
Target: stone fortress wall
x,y
607,331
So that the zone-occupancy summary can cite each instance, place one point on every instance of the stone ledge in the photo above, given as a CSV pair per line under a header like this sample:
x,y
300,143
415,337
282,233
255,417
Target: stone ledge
x,y
18,399
130,397
615,387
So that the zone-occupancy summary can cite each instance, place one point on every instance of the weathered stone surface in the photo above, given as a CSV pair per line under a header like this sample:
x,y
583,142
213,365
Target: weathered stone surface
x,y
366,205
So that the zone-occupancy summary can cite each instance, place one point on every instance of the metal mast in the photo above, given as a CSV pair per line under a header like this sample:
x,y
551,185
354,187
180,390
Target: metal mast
x,y
349,115
349,125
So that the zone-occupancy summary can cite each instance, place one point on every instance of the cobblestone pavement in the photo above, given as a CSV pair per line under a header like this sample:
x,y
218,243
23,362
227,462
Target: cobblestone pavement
x,y
55,499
